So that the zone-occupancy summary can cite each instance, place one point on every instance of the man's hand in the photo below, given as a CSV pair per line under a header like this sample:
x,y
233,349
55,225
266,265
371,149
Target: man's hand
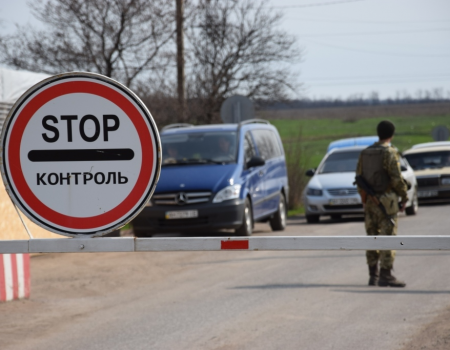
x,y
402,208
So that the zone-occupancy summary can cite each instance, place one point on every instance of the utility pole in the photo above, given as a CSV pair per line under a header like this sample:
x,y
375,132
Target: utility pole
x,y
180,59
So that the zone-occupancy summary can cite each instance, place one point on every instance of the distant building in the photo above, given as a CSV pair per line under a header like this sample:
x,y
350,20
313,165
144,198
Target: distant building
x,y
13,83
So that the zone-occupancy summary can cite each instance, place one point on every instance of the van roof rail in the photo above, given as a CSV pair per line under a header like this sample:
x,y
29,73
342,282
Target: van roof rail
x,y
252,121
177,125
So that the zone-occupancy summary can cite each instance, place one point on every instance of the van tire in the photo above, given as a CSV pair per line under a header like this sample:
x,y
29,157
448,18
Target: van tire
x,y
312,219
247,221
278,221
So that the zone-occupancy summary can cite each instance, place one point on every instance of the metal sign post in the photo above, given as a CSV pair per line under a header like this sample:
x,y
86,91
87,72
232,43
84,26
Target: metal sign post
x,y
81,154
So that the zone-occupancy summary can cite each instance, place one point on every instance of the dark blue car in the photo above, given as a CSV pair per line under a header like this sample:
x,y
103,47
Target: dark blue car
x,y
225,176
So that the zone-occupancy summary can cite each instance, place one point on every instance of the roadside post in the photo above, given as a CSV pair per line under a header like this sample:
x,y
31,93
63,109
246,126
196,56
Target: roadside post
x,y
80,154
440,133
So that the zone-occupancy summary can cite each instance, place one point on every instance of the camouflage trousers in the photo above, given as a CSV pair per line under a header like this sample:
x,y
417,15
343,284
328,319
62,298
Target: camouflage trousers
x,y
377,225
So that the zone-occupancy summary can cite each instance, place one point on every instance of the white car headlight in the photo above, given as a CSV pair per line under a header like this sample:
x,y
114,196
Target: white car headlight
x,y
314,192
230,192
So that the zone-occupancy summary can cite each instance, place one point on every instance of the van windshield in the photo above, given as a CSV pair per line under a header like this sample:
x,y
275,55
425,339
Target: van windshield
x,y
340,162
429,160
199,148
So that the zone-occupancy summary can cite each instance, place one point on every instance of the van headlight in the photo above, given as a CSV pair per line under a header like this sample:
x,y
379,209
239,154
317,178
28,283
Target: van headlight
x,y
314,192
445,180
230,192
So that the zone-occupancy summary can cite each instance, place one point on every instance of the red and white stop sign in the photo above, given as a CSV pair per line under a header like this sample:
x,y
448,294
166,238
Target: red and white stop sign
x,y
81,154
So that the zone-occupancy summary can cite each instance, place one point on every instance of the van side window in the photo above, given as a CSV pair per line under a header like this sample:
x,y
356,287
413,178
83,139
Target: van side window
x,y
249,148
267,144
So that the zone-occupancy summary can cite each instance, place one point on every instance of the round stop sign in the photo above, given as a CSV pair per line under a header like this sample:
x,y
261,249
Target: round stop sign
x,y
81,154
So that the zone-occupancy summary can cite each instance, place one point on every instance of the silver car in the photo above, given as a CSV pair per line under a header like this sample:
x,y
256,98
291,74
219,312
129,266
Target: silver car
x,y
331,192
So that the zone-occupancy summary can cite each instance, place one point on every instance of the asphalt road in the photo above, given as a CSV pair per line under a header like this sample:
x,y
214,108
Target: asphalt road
x,y
232,300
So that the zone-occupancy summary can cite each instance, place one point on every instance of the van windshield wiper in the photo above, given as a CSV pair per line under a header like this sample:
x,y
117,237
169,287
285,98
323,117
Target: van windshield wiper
x,y
211,161
190,161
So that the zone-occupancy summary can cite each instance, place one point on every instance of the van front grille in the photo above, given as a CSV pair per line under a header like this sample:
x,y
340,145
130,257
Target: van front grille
x,y
181,198
428,181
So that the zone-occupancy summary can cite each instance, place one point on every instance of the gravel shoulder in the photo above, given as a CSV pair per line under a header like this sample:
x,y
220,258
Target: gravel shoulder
x,y
433,336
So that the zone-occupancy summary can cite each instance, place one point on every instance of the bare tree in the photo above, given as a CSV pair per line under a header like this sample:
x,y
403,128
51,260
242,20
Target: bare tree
x,y
117,38
236,47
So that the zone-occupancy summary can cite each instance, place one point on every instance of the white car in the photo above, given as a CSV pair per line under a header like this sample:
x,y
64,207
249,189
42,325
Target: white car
x,y
431,164
331,192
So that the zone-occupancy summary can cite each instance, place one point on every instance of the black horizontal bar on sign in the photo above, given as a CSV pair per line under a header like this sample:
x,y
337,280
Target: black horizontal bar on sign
x,y
80,155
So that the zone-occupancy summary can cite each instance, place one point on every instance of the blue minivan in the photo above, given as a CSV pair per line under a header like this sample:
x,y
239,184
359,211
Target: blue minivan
x,y
224,176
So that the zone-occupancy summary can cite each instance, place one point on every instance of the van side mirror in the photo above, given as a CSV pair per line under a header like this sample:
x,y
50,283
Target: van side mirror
x,y
403,168
310,172
255,161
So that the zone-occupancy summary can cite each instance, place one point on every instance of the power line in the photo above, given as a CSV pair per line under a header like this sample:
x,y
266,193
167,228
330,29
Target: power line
x,y
377,52
316,4
361,21
375,33
403,76
397,45
376,82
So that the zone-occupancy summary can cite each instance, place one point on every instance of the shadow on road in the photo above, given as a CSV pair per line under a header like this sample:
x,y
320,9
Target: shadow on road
x,y
438,204
284,257
382,290
366,289
294,221
197,234
299,285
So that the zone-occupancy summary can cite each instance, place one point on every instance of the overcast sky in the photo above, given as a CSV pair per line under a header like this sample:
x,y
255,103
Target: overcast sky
x,y
351,46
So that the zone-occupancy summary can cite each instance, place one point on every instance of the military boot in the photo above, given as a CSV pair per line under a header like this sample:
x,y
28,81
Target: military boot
x,y
373,273
388,280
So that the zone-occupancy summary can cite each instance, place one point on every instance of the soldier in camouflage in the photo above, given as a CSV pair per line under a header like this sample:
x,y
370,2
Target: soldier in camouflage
x,y
380,167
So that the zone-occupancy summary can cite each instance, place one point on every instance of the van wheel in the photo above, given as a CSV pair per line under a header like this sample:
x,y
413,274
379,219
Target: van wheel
x,y
414,207
246,227
312,219
278,221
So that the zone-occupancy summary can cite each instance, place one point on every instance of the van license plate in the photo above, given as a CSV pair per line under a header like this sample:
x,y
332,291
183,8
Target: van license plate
x,y
182,214
344,201
424,194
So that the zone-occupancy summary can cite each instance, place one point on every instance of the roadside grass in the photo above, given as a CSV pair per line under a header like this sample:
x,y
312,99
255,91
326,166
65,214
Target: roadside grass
x,y
300,210
127,227
316,134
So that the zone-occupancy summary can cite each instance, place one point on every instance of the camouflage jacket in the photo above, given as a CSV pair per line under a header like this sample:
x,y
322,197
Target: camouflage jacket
x,y
391,164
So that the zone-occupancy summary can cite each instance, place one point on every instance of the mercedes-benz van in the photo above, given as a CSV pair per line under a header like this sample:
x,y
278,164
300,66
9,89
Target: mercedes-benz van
x,y
224,176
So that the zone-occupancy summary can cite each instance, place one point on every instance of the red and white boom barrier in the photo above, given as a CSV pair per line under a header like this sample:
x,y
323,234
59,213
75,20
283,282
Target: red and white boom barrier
x,y
265,243
14,276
